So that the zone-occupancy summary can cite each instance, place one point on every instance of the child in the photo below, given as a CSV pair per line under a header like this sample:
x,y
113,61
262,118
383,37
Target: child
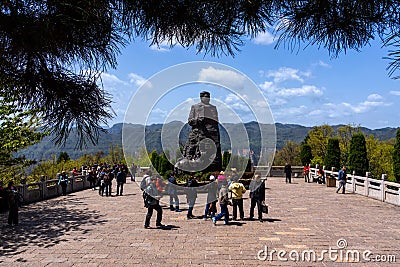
x,y
223,202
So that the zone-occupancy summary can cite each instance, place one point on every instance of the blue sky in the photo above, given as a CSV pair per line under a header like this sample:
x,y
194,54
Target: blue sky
x,y
305,87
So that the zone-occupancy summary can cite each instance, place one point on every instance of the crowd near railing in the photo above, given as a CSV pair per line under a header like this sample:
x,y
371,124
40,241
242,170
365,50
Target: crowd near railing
x,y
364,185
382,190
38,191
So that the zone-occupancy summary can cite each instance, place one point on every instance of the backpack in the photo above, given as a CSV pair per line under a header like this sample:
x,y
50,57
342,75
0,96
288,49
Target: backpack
x,y
160,184
143,183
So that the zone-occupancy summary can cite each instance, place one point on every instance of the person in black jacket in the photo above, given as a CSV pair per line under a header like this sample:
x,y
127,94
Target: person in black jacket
x,y
153,203
13,204
257,195
121,180
288,172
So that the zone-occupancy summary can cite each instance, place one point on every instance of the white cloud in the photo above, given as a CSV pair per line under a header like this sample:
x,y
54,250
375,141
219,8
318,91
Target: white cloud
x,y
111,80
322,64
397,93
285,73
226,78
305,90
164,46
231,98
160,111
277,94
365,106
236,103
136,79
316,112
291,111
264,38
373,97
160,48
267,86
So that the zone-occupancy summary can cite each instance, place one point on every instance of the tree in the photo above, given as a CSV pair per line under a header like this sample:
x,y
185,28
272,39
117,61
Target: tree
x,y
318,139
305,154
289,153
142,157
63,156
332,157
396,157
226,156
344,134
155,160
358,160
18,130
115,154
380,157
48,46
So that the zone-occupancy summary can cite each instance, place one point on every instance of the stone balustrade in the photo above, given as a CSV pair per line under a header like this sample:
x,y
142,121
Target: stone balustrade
x,y
365,185
39,191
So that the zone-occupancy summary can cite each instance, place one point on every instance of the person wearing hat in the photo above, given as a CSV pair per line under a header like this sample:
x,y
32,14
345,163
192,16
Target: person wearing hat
x,y
212,199
153,203
237,190
63,182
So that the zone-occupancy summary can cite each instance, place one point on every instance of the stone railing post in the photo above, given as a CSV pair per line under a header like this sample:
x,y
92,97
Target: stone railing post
x,y
43,187
353,182
72,182
398,197
383,193
366,184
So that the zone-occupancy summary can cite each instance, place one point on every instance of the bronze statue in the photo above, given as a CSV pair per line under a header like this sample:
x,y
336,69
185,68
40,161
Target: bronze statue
x,y
202,151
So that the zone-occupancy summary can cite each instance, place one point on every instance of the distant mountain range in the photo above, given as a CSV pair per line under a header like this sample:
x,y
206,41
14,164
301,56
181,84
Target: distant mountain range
x,y
284,132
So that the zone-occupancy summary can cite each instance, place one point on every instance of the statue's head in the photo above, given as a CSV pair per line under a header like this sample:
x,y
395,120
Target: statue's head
x,y
205,97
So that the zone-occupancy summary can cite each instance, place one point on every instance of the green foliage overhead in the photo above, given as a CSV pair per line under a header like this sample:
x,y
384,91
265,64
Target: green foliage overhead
x,y
48,46
332,157
358,160
396,157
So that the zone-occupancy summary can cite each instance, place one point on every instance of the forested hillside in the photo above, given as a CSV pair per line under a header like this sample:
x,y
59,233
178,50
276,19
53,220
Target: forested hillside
x,y
285,132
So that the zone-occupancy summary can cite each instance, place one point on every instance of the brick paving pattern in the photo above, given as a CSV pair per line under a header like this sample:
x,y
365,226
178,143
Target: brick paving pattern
x,y
84,229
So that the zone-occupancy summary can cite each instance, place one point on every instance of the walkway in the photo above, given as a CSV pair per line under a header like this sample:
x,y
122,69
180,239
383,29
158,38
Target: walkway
x,y
84,229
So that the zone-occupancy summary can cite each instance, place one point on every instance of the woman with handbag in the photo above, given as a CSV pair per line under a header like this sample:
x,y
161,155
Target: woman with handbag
x,y
257,196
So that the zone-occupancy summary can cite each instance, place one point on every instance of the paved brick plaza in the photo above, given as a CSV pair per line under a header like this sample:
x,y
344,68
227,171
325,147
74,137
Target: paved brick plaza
x,y
84,229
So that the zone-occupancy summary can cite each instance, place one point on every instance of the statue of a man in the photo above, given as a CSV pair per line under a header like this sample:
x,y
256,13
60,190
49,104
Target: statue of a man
x,y
203,145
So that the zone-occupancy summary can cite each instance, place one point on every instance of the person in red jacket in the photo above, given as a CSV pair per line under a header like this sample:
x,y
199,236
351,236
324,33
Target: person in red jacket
x,y
306,173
